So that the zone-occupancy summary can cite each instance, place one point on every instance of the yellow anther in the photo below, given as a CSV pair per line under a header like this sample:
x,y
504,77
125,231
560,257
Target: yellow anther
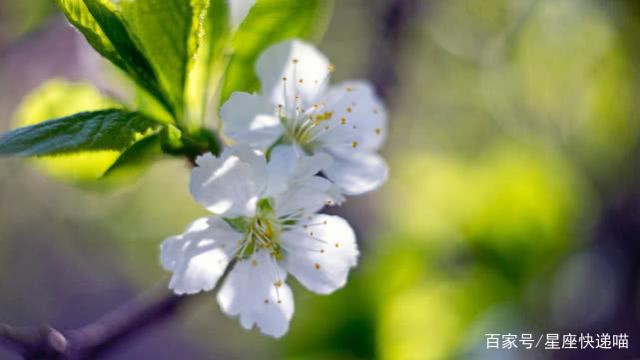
x,y
343,121
254,263
354,144
295,61
349,109
284,78
332,68
277,283
337,245
326,116
317,266
378,131
276,255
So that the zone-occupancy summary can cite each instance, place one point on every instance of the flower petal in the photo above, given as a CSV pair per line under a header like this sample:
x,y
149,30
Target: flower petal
x,y
200,256
293,68
250,119
230,184
359,119
288,167
357,172
307,197
321,252
238,10
255,290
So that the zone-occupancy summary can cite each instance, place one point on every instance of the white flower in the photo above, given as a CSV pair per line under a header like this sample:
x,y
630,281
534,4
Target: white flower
x,y
264,218
238,11
298,107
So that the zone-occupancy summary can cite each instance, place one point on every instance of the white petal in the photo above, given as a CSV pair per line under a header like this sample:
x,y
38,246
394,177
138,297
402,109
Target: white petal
x,y
230,184
288,167
238,10
359,118
321,254
256,290
307,197
250,119
357,172
200,256
294,61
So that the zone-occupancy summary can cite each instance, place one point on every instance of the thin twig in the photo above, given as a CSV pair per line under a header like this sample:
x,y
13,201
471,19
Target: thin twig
x,y
89,341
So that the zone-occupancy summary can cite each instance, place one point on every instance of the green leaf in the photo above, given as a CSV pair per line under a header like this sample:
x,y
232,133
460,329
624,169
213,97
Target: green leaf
x,y
136,65
98,21
268,22
168,33
136,158
80,17
102,130
145,103
56,99
209,66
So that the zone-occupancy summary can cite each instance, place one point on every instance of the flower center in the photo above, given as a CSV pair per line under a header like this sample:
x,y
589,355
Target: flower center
x,y
260,232
305,129
264,234
303,122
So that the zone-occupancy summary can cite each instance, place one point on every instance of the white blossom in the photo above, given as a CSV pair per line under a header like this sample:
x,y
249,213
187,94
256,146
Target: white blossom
x,y
238,11
263,216
297,107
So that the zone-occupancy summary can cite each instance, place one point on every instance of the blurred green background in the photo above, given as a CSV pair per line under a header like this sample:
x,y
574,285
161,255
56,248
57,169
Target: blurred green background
x,y
513,204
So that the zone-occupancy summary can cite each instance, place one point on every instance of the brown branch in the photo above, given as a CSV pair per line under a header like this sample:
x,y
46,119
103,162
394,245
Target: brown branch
x,y
94,339
395,20
116,327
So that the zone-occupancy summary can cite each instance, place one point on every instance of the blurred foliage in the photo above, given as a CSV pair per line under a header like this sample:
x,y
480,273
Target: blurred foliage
x,y
511,200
